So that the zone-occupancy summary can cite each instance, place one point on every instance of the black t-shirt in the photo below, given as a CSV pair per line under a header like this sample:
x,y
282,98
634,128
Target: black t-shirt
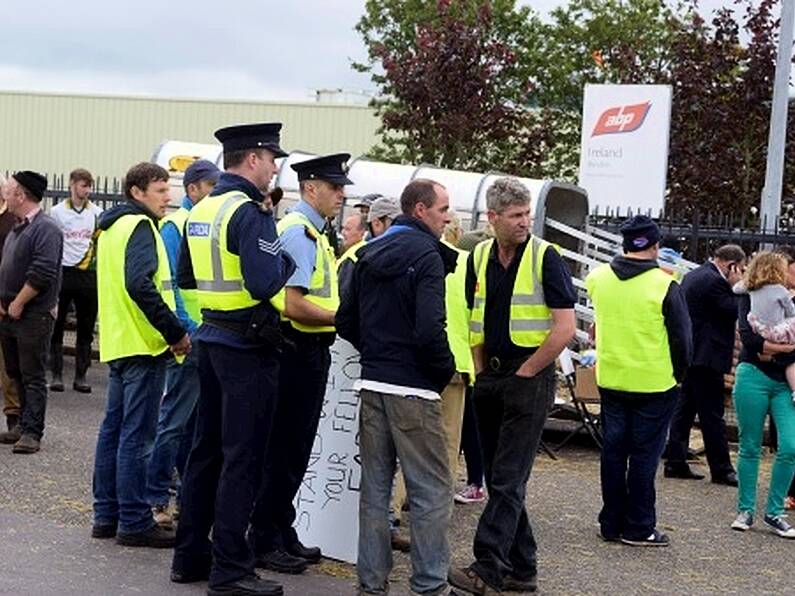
x,y
558,293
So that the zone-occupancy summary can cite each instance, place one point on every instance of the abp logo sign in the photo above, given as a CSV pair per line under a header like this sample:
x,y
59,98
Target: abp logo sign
x,y
621,119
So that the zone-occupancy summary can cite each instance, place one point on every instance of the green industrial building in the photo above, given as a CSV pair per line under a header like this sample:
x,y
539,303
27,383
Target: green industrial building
x,y
55,133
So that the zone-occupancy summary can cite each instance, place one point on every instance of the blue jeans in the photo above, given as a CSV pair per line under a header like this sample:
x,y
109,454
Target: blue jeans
x,y
125,441
635,428
179,401
410,429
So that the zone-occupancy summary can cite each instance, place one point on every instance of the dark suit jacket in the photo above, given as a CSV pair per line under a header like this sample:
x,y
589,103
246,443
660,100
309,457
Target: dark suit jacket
x,y
713,313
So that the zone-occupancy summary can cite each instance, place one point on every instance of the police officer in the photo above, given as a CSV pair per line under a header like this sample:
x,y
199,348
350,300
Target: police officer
x,y
308,306
232,257
643,348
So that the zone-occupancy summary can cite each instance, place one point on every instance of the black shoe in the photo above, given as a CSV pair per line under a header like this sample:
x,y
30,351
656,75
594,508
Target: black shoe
x,y
189,577
281,562
81,386
103,531
513,584
11,436
729,479
655,539
253,585
681,471
154,537
310,553
400,542
56,384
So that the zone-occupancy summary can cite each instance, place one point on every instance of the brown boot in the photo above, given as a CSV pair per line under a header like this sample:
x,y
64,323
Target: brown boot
x,y
26,444
468,580
11,436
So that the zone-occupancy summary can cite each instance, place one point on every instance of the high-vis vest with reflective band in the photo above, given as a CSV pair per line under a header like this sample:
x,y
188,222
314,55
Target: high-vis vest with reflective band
x,y
323,286
350,254
458,315
530,318
124,330
219,280
189,298
631,339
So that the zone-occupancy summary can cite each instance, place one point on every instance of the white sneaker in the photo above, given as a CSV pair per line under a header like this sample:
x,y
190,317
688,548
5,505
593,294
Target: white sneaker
x,y
745,520
779,525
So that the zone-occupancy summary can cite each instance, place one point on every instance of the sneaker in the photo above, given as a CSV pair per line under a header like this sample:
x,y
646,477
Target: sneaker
x,y
745,519
779,525
163,517
656,538
470,494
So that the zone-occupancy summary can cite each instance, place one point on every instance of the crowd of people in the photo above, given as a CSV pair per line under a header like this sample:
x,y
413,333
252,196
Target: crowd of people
x,y
216,323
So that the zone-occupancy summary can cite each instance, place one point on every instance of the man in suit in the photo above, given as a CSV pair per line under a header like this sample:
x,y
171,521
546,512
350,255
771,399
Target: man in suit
x,y
713,312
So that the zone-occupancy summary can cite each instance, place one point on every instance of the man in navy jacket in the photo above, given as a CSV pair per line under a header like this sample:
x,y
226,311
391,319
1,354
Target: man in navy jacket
x,y
394,314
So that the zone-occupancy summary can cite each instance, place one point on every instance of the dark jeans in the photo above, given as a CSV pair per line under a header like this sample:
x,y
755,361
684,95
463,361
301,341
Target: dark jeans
x,y
510,412
125,440
702,394
634,427
233,420
411,429
78,288
24,344
176,408
302,386
470,442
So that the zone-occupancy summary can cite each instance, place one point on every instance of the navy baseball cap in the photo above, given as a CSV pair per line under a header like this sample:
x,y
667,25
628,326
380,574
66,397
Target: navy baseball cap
x,y
201,169
329,168
252,136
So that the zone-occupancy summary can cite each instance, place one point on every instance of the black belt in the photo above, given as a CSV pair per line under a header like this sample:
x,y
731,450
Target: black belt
x,y
505,365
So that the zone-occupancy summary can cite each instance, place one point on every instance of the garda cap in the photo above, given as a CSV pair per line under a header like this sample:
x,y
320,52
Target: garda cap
x,y
329,168
251,136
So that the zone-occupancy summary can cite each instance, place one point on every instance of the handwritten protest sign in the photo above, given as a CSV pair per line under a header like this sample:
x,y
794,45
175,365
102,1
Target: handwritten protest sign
x,y
327,503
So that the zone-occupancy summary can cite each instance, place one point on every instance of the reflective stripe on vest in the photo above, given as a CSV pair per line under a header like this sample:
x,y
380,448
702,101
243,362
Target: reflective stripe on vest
x,y
350,254
632,347
124,330
219,280
190,299
530,318
323,288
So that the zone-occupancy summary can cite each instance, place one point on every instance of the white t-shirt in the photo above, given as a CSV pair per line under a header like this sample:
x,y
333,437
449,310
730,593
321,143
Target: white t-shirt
x,y
78,232
391,389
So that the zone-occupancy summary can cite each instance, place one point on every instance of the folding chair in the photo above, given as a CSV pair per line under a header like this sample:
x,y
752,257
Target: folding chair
x,y
586,420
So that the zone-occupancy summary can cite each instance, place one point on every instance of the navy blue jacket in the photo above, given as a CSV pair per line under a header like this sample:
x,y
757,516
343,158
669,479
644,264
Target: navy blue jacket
x,y
713,311
250,233
140,265
674,308
394,312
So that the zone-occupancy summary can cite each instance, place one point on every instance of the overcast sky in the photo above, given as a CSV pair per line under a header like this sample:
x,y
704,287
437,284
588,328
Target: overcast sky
x,y
246,49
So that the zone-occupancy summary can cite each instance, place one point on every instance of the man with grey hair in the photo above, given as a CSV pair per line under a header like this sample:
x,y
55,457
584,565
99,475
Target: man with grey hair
x,y
522,301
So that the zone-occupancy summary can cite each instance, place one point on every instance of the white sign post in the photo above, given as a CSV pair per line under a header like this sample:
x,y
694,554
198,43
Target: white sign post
x,y
327,503
624,148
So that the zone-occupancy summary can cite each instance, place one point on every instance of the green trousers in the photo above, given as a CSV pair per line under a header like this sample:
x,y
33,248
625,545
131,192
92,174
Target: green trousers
x,y
756,395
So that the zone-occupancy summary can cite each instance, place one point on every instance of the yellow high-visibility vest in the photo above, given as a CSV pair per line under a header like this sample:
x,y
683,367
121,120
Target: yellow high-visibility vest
x,y
124,330
530,317
632,350
189,297
458,315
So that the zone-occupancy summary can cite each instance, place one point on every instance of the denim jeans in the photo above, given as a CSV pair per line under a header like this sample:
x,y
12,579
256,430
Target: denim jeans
x,y
755,396
24,344
408,428
510,413
179,401
635,427
124,445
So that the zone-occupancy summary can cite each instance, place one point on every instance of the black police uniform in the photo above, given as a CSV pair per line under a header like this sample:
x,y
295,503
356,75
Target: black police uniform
x,y
302,387
238,371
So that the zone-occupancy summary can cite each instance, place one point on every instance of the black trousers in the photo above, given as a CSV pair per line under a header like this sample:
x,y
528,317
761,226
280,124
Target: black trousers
x,y
470,442
233,420
24,344
510,412
302,387
702,394
78,288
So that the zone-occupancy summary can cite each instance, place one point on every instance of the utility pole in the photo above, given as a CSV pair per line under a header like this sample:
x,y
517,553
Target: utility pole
x,y
774,174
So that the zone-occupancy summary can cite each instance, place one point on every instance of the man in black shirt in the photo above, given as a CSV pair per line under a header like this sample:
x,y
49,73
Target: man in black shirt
x,y
522,301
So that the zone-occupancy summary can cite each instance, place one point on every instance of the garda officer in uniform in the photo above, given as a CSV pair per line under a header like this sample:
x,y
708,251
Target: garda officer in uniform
x,y
643,349
232,257
308,306
522,301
